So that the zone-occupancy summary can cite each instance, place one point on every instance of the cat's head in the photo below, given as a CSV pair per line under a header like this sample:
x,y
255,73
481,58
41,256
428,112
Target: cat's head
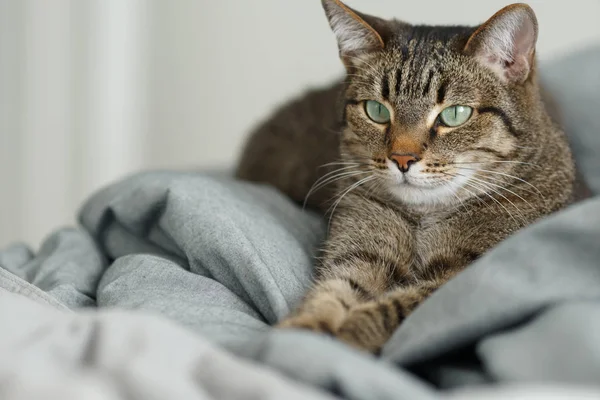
x,y
434,115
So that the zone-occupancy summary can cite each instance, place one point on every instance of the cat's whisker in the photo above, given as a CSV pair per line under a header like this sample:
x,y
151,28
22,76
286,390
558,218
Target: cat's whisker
x,y
329,178
353,158
486,188
342,169
508,176
475,195
470,184
503,181
348,190
379,183
321,182
495,162
448,185
340,163
372,187
498,186
352,187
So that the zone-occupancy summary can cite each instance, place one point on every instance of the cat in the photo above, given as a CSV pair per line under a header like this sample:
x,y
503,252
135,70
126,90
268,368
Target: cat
x,y
438,146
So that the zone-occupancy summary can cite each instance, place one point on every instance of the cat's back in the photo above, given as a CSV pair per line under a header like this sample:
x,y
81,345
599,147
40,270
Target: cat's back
x,y
288,150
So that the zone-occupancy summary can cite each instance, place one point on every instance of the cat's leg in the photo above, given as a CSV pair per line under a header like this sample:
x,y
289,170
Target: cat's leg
x,y
367,253
368,326
347,278
345,281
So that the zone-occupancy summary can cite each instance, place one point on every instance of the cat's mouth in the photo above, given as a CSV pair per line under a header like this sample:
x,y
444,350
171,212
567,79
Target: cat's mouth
x,y
415,177
421,182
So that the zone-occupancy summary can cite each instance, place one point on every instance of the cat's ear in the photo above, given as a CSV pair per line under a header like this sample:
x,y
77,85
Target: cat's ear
x,y
356,33
506,43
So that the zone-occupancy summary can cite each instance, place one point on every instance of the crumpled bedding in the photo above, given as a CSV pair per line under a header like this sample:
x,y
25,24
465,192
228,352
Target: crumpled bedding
x,y
170,285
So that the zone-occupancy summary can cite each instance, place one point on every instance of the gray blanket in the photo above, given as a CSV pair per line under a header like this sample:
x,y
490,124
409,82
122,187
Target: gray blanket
x,y
170,285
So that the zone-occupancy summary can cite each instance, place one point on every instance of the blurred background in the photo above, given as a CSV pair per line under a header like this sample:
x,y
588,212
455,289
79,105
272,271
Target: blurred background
x,y
92,90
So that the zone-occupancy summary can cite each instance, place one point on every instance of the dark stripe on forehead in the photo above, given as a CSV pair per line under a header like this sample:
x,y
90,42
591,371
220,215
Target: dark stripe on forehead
x,y
428,83
405,47
398,80
405,52
421,56
505,119
407,55
412,75
441,94
385,86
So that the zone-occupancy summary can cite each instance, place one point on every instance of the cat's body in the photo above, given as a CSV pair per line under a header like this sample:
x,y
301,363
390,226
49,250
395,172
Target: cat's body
x,y
414,200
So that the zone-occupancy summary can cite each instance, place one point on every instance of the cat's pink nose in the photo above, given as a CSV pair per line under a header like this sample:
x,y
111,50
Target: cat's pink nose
x,y
404,161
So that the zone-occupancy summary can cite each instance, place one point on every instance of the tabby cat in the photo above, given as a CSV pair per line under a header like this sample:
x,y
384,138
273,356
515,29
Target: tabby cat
x,y
439,146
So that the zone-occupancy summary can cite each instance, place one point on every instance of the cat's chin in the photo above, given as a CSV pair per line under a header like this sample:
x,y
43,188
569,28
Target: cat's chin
x,y
412,194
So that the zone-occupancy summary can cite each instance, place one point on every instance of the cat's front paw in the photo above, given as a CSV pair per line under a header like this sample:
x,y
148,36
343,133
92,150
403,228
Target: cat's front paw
x,y
310,322
365,329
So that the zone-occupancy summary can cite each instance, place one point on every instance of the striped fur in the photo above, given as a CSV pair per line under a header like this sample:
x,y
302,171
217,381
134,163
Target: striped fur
x,y
394,239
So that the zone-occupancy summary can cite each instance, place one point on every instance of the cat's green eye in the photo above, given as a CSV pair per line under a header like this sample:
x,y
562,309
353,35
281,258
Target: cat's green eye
x,y
377,112
455,115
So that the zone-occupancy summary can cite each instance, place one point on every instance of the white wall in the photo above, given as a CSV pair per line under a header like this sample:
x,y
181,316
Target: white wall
x,y
72,106
93,89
